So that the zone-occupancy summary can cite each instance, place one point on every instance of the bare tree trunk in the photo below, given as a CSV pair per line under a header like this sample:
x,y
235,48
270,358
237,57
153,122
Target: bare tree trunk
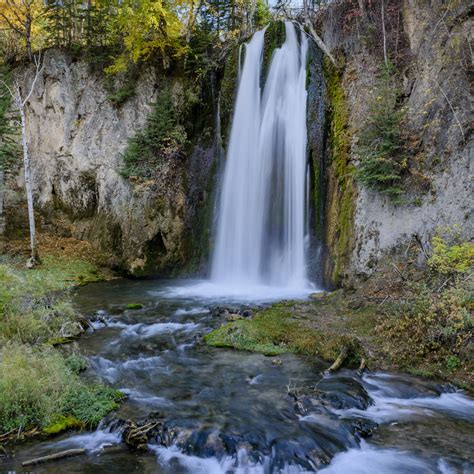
x,y
384,35
28,182
20,104
363,10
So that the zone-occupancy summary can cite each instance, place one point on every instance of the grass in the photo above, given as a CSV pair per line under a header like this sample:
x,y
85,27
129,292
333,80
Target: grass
x,y
37,388
280,328
40,387
33,308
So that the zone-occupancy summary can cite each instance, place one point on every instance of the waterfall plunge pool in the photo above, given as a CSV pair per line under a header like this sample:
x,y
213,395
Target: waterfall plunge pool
x,y
231,410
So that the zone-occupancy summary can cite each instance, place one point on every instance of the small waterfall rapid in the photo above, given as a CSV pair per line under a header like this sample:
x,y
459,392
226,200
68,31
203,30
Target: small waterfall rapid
x,y
261,221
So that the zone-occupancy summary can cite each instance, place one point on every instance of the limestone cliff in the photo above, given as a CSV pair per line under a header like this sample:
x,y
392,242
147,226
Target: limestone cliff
x,y
362,227
77,137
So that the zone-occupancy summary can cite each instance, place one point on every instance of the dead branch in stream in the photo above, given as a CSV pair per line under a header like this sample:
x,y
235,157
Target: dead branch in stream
x,y
339,361
54,457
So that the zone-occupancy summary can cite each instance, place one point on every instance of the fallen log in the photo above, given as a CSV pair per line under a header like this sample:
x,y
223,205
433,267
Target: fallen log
x,y
54,457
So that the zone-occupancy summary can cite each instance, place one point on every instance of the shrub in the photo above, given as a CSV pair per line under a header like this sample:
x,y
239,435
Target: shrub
x,y
427,326
450,256
380,147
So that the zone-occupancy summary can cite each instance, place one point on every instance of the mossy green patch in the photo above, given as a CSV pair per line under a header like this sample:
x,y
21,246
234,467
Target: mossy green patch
x,y
63,423
282,328
340,193
134,306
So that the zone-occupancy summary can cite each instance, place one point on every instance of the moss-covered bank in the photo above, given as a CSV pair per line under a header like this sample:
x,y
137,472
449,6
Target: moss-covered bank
x,y
41,391
404,318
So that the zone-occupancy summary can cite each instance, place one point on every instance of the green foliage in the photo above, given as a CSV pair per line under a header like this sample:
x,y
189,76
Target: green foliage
x,y
452,362
37,388
380,145
163,137
76,363
90,404
449,255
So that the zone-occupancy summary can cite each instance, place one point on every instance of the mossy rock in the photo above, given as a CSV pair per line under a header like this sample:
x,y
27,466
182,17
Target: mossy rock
x,y
134,306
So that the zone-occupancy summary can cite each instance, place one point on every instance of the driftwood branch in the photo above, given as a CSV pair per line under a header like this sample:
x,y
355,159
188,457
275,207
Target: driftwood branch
x,y
316,38
339,361
54,457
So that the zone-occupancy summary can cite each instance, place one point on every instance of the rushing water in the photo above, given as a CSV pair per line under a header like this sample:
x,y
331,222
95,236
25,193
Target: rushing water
x,y
260,238
231,409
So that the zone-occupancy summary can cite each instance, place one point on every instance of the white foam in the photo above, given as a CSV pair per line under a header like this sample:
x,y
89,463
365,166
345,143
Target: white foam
x,y
150,330
389,406
212,465
370,460
212,291
191,311
147,398
92,442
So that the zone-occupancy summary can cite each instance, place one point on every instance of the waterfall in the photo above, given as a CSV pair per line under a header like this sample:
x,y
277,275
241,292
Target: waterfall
x,y
261,221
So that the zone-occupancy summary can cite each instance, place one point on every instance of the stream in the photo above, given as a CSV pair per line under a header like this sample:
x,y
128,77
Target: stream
x,y
231,411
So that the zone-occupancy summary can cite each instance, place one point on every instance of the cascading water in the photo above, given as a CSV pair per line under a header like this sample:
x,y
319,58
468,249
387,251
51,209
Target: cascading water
x,y
261,223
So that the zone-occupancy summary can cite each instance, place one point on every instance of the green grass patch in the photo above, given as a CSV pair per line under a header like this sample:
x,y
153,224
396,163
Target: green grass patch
x,y
274,331
38,388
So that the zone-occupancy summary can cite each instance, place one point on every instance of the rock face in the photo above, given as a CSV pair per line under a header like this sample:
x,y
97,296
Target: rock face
x,y
77,137
432,41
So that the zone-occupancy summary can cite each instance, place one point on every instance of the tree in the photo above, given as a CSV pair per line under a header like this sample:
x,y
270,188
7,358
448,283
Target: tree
x,y
22,17
20,101
149,26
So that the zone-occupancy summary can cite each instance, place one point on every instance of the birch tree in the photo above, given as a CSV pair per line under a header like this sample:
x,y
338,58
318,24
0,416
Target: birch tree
x,y
20,101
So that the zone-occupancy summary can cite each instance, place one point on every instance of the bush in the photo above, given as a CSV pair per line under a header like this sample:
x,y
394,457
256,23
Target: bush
x,y
37,388
449,255
380,147
427,326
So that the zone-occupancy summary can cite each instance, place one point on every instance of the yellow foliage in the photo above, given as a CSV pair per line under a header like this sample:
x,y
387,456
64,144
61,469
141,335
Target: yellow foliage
x,y
24,18
449,258
149,26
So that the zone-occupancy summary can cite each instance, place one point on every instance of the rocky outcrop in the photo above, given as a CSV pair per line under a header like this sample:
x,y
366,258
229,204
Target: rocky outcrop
x,y
363,227
77,136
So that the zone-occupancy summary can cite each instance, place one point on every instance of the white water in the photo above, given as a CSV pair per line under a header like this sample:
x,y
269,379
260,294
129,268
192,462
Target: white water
x,y
261,223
